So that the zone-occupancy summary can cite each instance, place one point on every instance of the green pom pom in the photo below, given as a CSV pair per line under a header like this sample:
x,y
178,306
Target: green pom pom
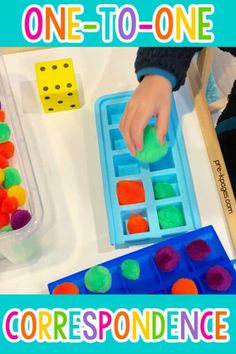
x,y
6,229
98,279
170,217
152,150
12,177
163,190
130,269
5,132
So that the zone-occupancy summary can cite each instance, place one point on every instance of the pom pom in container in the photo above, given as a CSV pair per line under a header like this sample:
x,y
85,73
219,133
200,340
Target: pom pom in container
x,y
19,193
184,287
2,116
130,269
4,219
2,176
218,278
130,192
137,224
9,205
5,132
12,177
3,162
66,289
7,150
167,259
20,218
98,279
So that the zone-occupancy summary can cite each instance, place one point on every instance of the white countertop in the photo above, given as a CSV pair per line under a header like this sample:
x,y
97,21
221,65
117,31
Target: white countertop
x,y
65,157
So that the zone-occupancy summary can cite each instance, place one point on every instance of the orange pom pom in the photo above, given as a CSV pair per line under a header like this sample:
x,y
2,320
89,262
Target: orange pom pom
x,y
66,289
3,195
3,162
4,220
9,205
7,149
130,192
184,287
137,224
2,116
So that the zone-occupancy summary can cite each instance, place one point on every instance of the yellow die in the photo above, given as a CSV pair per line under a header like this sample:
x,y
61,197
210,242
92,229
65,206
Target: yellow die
x,y
57,85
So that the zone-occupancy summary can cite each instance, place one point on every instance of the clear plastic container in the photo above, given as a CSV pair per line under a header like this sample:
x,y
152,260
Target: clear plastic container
x,y
20,245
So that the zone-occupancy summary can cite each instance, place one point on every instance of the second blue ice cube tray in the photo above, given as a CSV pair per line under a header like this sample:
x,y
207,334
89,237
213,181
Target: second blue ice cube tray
x,y
152,279
118,164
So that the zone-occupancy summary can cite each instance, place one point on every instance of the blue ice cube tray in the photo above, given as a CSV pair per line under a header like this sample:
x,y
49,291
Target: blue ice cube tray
x,y
118,164
152,280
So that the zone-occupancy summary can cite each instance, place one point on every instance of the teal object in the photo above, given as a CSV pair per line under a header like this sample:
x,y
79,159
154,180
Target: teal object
x,y
152,150
213,93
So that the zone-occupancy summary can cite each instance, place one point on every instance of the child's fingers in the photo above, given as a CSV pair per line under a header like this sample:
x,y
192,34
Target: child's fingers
x,y
125,128
137,136
130,143
138,127
127,117
162,124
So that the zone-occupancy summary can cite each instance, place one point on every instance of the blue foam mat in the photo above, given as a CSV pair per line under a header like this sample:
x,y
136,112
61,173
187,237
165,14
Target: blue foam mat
x,y
152,280
117,164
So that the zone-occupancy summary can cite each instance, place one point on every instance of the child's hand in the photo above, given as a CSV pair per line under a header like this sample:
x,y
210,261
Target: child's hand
x,y
152,97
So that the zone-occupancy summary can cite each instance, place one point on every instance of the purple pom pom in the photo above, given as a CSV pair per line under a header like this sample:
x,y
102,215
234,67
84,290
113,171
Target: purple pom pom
x,y
198,250
20,218
218,278
167,259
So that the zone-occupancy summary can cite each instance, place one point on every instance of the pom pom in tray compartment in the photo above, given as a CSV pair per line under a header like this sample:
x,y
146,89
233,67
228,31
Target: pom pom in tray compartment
x,y
152,150
18,189
164,268
132,187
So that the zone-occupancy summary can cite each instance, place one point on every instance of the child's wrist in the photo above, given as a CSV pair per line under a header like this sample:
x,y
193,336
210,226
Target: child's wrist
x,y
157,81
157,72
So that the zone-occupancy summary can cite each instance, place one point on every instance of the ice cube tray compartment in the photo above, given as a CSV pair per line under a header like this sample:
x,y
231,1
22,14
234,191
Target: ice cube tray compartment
x,y
126,165
117,164
154,281
171,179
117,141
166,163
